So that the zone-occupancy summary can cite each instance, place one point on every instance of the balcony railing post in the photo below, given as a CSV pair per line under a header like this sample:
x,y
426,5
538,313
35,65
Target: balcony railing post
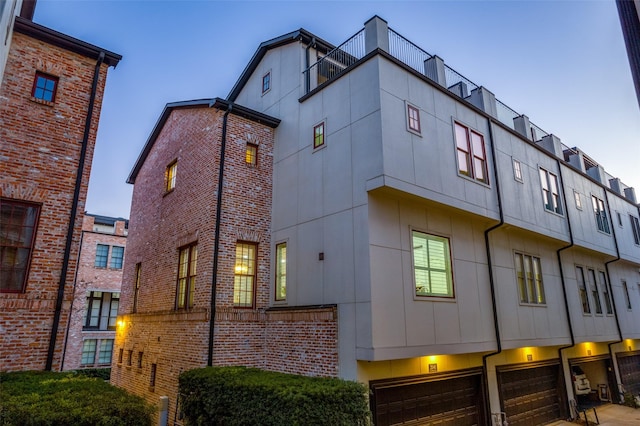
x,y
376,35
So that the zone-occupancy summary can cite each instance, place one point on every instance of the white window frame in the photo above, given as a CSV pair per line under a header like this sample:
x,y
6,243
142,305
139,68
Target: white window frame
x,y
600,214
428,269
550,186
409,108
517,170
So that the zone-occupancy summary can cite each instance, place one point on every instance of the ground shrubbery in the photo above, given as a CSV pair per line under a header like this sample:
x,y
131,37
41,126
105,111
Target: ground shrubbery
x,y
46,398
241,396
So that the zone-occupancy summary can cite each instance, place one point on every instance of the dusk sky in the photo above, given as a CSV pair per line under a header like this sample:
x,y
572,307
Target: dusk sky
x,y
562,63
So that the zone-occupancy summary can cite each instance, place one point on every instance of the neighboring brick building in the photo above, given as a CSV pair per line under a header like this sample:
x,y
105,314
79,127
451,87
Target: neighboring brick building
x,y
50,100
92,327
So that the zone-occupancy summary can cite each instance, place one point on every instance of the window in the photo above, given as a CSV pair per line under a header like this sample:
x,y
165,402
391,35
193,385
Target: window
x,y
106,349
140,359
129,356
120,355
619,219
318,135
187,262
152,380
432,265
88,352
517,170
136,291
550,192
605,292
413,118
102,310
102,254
472,160
594,291
18,225
117,253
251,155
529,275
601,215
635,227
266,82
245,275
45,87
170,176
281,271
582,289
625,290
576,196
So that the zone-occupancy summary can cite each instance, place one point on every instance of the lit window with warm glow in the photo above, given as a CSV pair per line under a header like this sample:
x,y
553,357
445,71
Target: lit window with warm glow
x,y
281,271
529,275
251,155
188,259
432,265
170,176
244,275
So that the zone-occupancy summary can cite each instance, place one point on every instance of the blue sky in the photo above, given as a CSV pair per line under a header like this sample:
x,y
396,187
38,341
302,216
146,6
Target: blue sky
x,y
562,63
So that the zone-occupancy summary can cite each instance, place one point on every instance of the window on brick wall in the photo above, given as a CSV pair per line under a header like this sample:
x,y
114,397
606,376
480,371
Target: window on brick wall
x,y
18,225
251,154
281,271
117,254
170,176
140,359
152,376
245,275
102,255
102,310
88,352
136,291
602,221
106,349
120,355
129,357
45,87
187,264
472,160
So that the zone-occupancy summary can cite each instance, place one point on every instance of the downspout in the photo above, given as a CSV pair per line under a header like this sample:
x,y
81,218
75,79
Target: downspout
x,y
72,215
613,299
216,244
308,64
492,286
562,279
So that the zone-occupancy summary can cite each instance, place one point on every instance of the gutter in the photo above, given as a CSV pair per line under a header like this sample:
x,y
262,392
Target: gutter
x,y
72,214
216,244
307,79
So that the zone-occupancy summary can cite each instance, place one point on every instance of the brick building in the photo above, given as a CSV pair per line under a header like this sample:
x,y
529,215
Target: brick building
x,y
50,99
92,326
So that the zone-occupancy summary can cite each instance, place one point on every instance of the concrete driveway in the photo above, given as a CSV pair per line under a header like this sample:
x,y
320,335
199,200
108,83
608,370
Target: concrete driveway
x,y
610,415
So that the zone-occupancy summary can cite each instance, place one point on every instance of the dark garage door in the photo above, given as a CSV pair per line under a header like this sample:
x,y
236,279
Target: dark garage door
x,y
530,396
629,367
425,401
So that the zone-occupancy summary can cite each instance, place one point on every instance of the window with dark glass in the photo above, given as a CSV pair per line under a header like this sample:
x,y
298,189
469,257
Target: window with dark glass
x,y
152,376
550,191
582,289
120,355
318,135
432,265
136,291
595,294
117,254
605,292
102,310
625,290
635,228
45,87
245,274
602,221
102,254
529,275
187,263
472,160
140,359
18,225
413,118
266,82
281,271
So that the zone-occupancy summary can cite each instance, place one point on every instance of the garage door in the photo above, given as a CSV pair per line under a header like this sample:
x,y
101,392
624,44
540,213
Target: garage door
x,y
629,367
530,396
452,399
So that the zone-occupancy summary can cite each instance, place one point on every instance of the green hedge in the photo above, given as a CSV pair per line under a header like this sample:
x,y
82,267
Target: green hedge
x,y
247,396
46,398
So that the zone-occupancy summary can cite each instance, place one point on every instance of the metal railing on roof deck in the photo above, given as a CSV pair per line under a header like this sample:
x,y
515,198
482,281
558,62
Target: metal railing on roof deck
x,y
506,114
407,52
537,133
335,62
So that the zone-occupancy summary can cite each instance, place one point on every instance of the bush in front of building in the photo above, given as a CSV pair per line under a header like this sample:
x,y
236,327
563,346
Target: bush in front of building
x,y
98,373
47,398
240,396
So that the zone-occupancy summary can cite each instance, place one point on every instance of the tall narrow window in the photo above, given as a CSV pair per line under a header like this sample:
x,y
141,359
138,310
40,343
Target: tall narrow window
x,y
601,214
432,265
517,170
472,160
187,262
281,271
605,292
170,176
625,290
413,118
582,289
140,359
45,87
635,227
594,291
578,199
129,357
529,274
120,355
18,224
266,82
106,349
88,352
117,254
251,154
550,192
136,292
102,254
114,303
244,275
94,308
152,378
318,135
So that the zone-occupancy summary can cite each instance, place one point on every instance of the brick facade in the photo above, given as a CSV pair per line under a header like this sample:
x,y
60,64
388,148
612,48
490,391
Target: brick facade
x,y
298,341
93,278
40,151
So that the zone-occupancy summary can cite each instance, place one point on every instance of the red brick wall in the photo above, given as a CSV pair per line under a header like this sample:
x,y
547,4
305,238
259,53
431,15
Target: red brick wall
x,y
161,223
40,151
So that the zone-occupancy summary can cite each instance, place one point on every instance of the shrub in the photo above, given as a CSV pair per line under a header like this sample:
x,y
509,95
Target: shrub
x,y
46,398
240,396
98,373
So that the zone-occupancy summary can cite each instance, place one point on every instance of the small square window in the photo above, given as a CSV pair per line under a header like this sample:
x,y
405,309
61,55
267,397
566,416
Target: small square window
x,y
517,171
251,155
45,87
413,118
576,196
318,135
266,82
170,176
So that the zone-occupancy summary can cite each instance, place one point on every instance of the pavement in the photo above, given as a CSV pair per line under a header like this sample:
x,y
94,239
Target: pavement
x,y
609,415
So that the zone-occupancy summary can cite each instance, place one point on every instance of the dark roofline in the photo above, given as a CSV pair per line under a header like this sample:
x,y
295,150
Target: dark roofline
x,y
107,220
299,35
218,103
39,32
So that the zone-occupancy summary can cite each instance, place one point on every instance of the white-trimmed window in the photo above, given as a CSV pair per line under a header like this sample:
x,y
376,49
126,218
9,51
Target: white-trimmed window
x,y
602,221
281,271
550,191
517,170
244,285
578,199
413,119
635,227
187,269
529,274
472,158
432,265
582,290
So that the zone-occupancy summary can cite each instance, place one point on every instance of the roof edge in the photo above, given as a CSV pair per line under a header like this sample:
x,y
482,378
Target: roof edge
x,y
42,33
